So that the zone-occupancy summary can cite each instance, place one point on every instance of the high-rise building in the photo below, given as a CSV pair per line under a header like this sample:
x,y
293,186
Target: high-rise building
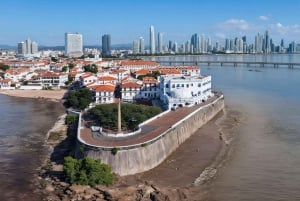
x,y
266,44
135,47
142,45
34,47
152,40
258,43
28,47
22,48
195,43
160,42
73,45
106,45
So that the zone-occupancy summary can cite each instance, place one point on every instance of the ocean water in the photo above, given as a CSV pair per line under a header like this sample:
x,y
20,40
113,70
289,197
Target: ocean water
x,y
23,128
264,164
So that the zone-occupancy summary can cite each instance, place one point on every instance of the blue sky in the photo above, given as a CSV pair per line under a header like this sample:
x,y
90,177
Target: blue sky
x,y
46,21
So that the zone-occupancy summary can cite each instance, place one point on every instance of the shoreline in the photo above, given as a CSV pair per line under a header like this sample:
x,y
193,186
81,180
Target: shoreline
x,y
52,95
177,176
155,181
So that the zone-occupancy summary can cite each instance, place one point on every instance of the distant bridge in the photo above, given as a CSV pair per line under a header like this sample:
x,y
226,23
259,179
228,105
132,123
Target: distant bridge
x,y
235,63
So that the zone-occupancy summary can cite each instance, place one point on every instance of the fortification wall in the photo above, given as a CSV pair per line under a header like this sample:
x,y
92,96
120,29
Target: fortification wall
x,y
136,159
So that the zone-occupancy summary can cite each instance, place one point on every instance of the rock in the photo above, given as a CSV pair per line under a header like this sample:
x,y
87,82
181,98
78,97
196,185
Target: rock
x,y
63,184
49,188
58,168
158,196
78,188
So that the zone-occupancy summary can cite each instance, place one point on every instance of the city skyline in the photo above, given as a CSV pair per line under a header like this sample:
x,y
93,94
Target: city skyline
x,y
49,20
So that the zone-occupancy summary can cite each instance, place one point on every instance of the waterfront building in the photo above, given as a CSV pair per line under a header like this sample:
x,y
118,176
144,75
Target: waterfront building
x,y
258,43
195,43
51,79
160,42
179,90
106,45
73,45
152,40
142,45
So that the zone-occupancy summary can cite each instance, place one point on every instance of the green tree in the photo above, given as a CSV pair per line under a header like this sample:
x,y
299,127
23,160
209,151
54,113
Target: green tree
x,y
4,67
79,99
91,68
87,171
64,68
71,119
71,65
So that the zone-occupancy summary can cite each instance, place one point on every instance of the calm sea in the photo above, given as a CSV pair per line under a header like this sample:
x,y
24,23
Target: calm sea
x,y
265,162
23,127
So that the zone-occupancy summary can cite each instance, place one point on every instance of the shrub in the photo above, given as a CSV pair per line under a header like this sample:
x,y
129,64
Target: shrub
x,y
87,171
71,119
114,150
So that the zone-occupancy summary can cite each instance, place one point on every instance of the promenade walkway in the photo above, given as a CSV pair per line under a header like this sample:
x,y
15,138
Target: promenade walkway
x,y
149,131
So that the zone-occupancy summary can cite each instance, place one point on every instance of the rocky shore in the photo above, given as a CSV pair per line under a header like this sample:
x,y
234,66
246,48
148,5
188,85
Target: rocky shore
x,y
179,177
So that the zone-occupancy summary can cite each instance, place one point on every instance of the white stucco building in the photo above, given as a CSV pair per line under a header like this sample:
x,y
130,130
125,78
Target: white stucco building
x,y
181,90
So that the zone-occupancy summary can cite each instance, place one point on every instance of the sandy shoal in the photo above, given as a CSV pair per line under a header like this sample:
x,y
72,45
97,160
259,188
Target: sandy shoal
x,y
48,94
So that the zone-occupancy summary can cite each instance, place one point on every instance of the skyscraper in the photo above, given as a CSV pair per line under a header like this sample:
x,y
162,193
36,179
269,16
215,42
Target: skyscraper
x,y
267,43
73,45
195,43
27,47
135,47
152,40
22,48
106,45
142,45
34,47
160,42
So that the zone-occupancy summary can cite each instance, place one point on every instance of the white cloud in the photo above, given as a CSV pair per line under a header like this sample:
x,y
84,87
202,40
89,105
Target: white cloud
x,y
235,24
285,29
263,17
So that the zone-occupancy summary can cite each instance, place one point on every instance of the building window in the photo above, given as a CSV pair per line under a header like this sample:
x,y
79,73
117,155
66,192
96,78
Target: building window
x,y
199,85
187,86
182,85
167,85
173,85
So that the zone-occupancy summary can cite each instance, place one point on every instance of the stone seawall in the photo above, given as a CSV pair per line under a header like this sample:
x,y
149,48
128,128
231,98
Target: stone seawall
x,y
138,159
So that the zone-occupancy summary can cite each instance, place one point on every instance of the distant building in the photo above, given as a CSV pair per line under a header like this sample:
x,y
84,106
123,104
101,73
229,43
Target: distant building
x,y
135,47
34,48
160,42
142,45
152,40
27,48
106,45
22,48
73,45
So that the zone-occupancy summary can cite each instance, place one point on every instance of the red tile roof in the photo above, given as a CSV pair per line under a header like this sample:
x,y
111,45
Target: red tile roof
x,y
104,87
107,78
130,84
138,63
